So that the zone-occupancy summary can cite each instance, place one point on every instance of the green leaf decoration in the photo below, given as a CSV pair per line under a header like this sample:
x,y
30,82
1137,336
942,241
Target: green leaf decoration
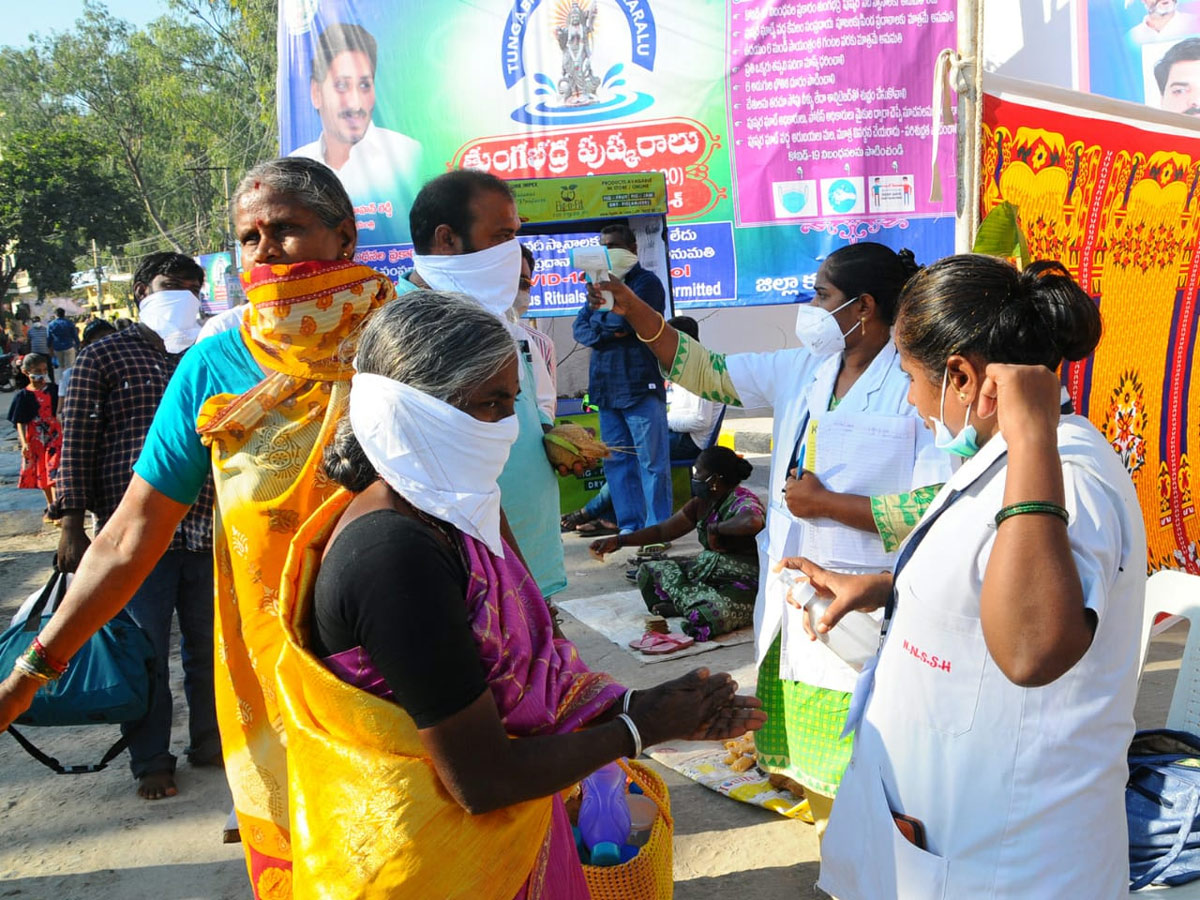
x,y
1000,234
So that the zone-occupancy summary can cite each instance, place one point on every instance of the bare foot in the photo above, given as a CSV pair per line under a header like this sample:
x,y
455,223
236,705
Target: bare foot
x,y
157,785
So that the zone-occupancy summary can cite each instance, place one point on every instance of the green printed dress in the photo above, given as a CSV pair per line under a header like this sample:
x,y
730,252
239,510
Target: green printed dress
x,y
714,592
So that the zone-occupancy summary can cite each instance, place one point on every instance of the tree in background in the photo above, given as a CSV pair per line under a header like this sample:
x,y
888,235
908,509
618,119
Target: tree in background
x,y
58,192
177,105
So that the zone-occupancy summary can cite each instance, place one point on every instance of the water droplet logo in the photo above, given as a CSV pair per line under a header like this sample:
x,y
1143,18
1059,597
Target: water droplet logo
x,y
551,111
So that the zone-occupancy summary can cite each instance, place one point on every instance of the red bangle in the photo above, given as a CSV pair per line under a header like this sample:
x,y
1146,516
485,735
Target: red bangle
x,y
56,665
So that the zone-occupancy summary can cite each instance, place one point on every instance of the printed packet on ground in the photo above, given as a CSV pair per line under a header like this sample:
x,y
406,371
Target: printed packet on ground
x,y
704,762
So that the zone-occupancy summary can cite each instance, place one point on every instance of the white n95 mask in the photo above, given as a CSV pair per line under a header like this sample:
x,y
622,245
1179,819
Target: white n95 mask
x,y
819,331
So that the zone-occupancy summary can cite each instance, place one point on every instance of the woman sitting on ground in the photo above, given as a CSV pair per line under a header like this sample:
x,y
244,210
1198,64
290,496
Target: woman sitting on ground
x,y
431,715
715,592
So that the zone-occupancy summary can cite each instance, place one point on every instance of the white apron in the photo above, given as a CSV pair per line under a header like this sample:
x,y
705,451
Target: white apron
x,y
798,387
1020,790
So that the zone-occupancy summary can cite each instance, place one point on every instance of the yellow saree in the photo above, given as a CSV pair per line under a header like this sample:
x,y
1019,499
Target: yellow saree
x,y
266,455
370,816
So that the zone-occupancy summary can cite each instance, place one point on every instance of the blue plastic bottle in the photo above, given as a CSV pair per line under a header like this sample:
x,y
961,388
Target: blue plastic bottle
x,y
604,815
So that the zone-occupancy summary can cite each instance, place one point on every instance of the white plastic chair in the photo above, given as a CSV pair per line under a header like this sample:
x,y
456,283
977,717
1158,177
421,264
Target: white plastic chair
x,y
1177,594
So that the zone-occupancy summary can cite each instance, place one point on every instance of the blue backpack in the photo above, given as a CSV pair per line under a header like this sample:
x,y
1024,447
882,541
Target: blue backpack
x,y
1162,804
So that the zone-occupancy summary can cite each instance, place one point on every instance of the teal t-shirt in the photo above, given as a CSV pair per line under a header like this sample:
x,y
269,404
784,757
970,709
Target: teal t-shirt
x,y
529,493
174,461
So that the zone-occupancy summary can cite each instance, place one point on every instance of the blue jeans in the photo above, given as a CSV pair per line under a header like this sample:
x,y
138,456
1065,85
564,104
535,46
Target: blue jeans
x,y
640,477
182,584
683,450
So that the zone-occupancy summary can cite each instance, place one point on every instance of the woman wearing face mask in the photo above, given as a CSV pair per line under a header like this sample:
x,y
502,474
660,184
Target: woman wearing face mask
x,y
255,406
34,412
714,593
1001,703
846,371
431,715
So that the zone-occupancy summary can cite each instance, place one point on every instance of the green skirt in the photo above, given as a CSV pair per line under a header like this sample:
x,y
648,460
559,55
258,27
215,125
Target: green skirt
x,y
802,737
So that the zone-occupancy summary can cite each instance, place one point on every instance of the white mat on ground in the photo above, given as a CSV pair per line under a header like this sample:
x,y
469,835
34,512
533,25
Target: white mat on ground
x,y
704,763
621,618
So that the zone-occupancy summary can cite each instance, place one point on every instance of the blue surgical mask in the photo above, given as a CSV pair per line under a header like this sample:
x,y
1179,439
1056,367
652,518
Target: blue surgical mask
x,y
965,443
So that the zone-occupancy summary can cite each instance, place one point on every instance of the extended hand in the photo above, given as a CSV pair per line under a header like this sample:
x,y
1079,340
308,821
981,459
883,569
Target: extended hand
x,y
1024,399
602,547
698,706
804,495
847,593
623,297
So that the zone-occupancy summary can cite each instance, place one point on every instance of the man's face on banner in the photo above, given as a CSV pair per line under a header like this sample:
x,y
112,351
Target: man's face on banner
x,y
1182,93
1160,7
346,97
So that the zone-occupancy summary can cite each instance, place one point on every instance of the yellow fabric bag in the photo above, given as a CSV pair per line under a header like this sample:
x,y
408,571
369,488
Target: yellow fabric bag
x,y
651,874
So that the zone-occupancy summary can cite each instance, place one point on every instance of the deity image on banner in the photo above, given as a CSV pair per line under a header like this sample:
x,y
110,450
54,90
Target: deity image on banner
x,y
579,83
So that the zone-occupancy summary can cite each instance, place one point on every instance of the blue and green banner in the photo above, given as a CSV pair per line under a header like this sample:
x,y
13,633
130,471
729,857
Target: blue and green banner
x,y
784,130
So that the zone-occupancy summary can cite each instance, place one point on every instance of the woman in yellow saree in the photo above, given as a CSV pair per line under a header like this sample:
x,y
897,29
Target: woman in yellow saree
x,y
431,715
256,406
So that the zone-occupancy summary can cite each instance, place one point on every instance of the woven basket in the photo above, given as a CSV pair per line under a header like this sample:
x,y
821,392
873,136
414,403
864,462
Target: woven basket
x,y
649,875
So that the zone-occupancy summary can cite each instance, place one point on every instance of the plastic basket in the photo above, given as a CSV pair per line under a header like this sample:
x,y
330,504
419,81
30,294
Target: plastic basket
x,y
650,875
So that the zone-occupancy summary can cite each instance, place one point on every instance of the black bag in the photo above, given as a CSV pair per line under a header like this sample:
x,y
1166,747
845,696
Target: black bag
x,y
110,680
1162,804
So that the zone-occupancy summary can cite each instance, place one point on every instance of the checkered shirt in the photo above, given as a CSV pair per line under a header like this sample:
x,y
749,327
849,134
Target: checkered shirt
x,y
116,385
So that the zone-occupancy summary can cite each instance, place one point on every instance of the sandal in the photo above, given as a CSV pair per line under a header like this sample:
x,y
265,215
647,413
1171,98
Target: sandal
x,y
654,644
597,528
654,551
572,520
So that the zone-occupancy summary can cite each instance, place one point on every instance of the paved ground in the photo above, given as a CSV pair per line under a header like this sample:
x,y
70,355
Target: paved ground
x,y
90,837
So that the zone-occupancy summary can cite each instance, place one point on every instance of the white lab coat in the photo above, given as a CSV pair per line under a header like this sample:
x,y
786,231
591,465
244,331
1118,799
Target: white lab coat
x,y
797,384
1020,790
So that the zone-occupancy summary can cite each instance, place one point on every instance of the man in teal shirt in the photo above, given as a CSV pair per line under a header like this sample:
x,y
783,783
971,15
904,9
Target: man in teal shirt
x,y
464,226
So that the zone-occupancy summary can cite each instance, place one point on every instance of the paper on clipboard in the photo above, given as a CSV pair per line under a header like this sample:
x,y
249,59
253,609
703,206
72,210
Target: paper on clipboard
x,y
864,454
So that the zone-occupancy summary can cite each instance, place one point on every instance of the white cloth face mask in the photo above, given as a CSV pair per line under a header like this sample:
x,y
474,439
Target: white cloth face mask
x,y
174,316
440,459
489,276
621,261
521,304
819,331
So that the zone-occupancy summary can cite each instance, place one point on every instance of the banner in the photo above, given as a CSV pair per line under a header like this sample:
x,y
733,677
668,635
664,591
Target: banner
x,y
784,129
1115,200
1147,52
222,286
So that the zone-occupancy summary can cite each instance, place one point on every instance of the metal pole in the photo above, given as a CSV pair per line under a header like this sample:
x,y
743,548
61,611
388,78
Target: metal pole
x,y
99,274
229,243
969,87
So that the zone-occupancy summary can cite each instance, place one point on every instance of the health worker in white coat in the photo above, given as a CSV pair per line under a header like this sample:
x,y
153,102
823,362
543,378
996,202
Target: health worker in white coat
x,y
1000,708
845,377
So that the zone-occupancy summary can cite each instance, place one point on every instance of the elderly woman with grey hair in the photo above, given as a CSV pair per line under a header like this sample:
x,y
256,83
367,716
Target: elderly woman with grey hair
x,y
256,406
455,716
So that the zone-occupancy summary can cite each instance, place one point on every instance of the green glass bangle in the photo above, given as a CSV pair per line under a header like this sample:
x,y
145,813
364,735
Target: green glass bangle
x,y
1033,506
